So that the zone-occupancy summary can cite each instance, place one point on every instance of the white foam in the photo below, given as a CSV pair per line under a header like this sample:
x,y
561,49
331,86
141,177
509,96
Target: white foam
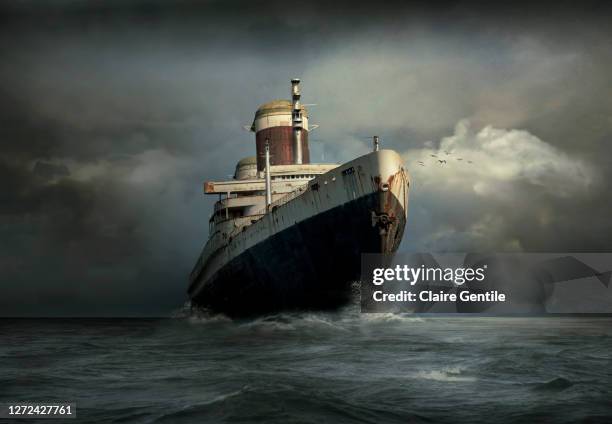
x,y
450,374
390,317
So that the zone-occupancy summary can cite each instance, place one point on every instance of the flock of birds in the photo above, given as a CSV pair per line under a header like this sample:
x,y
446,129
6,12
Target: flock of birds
x,y
442,161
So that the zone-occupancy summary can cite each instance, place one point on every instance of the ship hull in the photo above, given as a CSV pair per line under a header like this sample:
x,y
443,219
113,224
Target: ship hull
x,y
309,265
305,252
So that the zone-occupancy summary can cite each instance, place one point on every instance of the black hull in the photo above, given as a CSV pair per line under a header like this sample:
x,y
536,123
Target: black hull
x,y
309,265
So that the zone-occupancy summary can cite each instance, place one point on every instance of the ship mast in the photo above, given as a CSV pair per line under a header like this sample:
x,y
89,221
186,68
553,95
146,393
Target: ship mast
x,y
268,178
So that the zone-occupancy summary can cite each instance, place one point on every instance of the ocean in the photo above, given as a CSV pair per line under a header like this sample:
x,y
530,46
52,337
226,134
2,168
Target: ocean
x,y
340,367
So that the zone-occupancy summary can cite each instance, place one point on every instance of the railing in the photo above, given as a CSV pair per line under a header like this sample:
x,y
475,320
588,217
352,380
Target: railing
x,y
238,229
285,199
289,196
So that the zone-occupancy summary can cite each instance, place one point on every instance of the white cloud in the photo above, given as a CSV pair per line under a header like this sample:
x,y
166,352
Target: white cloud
x,y
493,162
487,179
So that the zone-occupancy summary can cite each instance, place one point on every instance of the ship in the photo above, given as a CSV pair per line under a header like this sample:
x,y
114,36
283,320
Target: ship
x,y
288,234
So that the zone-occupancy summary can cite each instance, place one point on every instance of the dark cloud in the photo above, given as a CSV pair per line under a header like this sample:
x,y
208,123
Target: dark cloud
x,y
112,113
49,171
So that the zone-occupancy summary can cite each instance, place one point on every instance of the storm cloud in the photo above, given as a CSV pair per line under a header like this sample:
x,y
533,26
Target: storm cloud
x,y
113,113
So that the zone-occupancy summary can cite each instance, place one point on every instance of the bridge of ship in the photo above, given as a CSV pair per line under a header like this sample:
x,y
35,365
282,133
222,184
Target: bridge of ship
x,y
246,197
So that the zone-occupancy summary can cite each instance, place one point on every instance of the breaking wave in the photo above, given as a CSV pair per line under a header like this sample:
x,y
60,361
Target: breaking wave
x,y
343,319
198,315
450,374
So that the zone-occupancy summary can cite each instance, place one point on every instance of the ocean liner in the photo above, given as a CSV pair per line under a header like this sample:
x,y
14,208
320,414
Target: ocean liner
x,y
288,234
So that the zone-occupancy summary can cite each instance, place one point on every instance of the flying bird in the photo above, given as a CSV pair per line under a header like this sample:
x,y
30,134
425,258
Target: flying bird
x,y
459,158
441,161
434,156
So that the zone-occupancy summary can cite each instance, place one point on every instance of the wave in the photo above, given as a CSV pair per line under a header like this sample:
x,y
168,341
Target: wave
x,y
448,374
198,315
344,319
285,404
391,317
556,384
201,410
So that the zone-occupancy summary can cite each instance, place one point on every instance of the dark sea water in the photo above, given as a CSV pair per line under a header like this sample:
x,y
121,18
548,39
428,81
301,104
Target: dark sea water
x,y
313,368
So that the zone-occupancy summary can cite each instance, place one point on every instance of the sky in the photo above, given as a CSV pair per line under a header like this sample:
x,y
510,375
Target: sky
x,y
113,113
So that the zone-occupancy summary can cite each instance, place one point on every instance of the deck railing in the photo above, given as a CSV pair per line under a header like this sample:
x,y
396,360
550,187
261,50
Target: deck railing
x,y
285,199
